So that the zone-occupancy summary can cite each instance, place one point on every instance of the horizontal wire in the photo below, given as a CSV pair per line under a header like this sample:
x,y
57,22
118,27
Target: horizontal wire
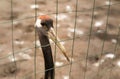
x,y
59,41
51,43
4,22
69,39
77,61
16,52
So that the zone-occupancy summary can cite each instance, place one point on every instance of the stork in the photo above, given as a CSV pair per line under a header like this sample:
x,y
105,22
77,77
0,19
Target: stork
x,y
45,29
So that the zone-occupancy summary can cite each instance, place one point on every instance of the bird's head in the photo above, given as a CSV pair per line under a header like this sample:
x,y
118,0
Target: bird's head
x,y
44,24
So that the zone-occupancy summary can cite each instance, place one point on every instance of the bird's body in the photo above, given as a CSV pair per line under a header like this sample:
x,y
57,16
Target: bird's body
x,y
44,27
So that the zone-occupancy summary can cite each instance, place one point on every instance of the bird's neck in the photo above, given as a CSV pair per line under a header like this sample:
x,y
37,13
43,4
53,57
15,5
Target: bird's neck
x,y
46,49
47,53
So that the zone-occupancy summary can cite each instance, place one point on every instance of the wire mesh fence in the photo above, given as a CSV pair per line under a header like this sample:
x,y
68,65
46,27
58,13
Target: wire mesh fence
x,y
89,37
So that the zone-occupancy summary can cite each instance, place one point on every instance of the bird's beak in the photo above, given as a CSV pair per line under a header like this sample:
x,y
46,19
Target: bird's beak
x,y
54,38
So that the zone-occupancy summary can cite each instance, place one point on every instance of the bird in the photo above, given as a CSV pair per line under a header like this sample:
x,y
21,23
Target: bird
x,y
45,29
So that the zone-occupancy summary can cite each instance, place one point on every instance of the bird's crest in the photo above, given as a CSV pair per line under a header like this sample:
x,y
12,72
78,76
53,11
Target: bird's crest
x,y
44,17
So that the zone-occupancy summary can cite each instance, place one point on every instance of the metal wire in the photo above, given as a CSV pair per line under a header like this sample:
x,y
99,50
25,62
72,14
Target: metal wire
x,y
19,51
115,50
72,51
39,71
35,43
103,44
12,27
31,17
92,19
73,39
57,4
23,50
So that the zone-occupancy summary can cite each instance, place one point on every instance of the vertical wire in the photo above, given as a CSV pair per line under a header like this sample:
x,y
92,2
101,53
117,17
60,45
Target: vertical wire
x,y
115,49
56,29
56,34
55,38
103,44
92,20
13,36
35,43
75,25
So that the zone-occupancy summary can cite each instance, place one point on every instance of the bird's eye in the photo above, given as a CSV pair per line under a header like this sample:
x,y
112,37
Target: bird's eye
x,y
43,24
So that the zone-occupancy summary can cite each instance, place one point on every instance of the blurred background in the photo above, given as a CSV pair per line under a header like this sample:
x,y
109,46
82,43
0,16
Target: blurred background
x,y
89,30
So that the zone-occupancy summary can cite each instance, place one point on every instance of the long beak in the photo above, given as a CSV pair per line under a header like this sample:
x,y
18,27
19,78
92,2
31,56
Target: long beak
x,y
54,38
